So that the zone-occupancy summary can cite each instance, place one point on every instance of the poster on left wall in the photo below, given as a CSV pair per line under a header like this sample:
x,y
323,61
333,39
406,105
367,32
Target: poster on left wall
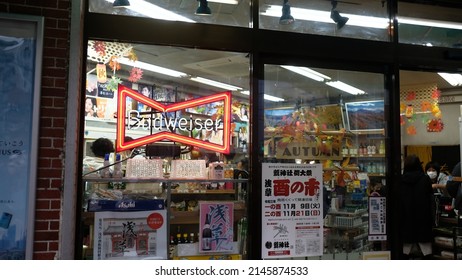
x,y
20,72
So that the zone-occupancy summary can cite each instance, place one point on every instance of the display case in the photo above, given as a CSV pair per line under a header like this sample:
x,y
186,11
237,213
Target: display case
x,y
124,200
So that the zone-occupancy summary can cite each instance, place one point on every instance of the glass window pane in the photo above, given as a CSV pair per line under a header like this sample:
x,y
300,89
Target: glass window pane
x,y
336,120
221,12
363,20
436,25
180,109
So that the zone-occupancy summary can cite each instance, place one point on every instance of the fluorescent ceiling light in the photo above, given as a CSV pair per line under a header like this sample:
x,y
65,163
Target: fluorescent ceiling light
x,y
231,2
307,72
324,16
345,87
265,96
272,98
215,84
453,79
152,67
153,11
430,23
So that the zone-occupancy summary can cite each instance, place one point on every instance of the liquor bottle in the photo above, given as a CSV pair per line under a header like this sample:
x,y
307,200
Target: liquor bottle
x,y
185,238
192,238
206,234
178,237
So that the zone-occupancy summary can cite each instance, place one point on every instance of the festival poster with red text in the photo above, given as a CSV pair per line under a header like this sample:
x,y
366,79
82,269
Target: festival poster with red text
x,y
292,222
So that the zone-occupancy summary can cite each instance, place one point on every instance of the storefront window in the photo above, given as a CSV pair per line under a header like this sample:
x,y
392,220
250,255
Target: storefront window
x,y
325,163
222,12
430,129
437,25
176,121
363,20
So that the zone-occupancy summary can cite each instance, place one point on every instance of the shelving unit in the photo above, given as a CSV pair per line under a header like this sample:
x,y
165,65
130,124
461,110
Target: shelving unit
x,y
348,231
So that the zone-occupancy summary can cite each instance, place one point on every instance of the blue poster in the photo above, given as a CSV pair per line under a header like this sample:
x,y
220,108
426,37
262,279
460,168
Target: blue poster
x,y
17,71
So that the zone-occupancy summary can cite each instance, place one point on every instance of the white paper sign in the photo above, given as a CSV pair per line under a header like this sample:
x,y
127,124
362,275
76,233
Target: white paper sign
x,y
292,221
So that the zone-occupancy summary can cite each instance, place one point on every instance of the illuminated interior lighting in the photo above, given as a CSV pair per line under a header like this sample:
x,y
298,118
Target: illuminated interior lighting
x,y
153,11
453,79
230,2
272,98
152,68
215,83
345,87
265,96
324,16
307,72
430,23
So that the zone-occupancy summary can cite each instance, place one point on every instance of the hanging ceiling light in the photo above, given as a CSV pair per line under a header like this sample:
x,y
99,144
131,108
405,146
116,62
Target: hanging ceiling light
x,y
121,3
336,17
286,17
203,8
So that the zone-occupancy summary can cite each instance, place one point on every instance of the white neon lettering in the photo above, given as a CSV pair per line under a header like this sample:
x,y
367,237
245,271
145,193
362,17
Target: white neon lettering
x,y
135,121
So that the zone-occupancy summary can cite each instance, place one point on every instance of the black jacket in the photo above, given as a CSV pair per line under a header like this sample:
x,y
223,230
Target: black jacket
x,y
417,206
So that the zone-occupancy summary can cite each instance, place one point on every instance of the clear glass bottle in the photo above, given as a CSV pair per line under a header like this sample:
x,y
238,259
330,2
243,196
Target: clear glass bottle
x,y
105,172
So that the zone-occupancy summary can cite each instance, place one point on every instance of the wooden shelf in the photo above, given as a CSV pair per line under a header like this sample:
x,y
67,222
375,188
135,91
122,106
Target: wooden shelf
x,y
204,192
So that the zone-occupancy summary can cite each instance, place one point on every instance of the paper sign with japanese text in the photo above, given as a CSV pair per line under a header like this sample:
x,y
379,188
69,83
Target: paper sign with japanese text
x,y
292,220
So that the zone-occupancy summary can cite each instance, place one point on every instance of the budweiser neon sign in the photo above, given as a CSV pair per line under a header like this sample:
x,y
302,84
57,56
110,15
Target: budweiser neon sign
x,y
164,127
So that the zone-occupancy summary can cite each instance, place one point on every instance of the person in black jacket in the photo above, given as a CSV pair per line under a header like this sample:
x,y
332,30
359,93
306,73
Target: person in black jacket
x,y
417,204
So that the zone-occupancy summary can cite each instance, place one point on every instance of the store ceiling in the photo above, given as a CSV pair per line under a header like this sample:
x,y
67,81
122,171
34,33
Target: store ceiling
x,y
233,69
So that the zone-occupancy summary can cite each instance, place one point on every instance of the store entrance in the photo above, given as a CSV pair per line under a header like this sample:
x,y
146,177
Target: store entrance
x,y
429,114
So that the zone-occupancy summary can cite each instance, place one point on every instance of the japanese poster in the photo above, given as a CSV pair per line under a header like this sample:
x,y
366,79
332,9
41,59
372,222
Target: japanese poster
x,y
20,60
130,235
216,226
292,221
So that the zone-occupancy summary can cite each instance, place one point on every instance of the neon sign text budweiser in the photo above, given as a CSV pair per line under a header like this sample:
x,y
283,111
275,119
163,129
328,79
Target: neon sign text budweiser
x,y
161,122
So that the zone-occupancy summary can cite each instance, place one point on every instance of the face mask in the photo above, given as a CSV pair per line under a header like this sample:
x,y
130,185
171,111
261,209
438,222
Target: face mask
x,y
431,174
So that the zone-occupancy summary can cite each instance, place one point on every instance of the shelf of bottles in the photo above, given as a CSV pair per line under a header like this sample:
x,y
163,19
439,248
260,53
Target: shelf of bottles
x,y
369,155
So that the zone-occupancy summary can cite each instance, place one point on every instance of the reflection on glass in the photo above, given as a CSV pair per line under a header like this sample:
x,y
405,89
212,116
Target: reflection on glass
x,y
367,20
221,12
343,133
429,25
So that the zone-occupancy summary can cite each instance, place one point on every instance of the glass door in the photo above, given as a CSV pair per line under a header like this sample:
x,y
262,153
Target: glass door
x,y
324,163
